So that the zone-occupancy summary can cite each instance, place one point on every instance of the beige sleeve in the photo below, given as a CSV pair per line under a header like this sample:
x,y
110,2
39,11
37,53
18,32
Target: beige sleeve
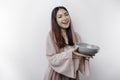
x,y
60,62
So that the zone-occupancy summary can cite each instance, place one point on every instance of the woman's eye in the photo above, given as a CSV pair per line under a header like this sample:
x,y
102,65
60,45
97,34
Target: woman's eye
x,y
66,14
59,16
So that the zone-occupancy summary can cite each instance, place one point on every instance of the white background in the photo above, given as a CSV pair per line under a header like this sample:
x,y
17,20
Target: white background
x,y
24,25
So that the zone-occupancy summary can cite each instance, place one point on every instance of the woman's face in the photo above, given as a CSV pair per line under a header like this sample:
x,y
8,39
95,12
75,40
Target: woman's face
x,y
63,18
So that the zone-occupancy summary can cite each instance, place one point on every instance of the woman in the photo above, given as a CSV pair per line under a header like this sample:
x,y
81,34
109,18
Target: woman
x,y
64,60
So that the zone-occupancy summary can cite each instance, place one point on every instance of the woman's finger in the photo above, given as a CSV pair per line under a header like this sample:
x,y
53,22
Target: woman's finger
x,y
75,49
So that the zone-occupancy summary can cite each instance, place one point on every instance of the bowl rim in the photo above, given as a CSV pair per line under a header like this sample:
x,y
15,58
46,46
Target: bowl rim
x,y
93,47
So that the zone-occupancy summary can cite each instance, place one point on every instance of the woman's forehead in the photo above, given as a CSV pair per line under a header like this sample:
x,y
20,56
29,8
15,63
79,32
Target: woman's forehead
x,y
61,11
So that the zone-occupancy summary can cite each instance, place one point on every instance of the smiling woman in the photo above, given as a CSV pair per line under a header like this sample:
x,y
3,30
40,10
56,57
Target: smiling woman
x,y
63,18
64,60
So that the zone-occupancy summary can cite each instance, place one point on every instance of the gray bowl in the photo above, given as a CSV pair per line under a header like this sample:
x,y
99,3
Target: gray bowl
x,y
87,49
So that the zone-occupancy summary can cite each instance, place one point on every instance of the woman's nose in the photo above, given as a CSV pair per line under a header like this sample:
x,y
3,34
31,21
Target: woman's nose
x,y
64,18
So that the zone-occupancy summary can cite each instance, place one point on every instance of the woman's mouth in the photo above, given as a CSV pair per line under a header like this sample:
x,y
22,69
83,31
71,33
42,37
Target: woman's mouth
x,y
66,22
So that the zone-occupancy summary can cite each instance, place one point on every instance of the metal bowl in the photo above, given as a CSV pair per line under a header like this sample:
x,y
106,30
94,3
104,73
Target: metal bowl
x,y
87,49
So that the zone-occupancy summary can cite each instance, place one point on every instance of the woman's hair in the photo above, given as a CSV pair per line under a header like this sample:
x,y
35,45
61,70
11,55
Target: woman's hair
x,y
56,30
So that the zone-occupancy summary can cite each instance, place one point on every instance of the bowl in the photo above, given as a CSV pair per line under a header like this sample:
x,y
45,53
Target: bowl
x,y
87,49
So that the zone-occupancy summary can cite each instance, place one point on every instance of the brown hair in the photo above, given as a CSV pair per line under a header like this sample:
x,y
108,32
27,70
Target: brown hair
x,y
56,30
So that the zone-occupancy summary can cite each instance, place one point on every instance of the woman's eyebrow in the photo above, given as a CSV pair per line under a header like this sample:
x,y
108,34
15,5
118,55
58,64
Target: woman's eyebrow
x,y
59,14
65,12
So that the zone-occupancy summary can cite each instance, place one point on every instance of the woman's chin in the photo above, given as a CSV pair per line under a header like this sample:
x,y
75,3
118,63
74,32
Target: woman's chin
x,y
65,26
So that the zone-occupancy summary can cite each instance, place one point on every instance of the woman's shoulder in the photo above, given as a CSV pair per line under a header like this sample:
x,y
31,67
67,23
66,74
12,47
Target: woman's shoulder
x,y
50,36
77,35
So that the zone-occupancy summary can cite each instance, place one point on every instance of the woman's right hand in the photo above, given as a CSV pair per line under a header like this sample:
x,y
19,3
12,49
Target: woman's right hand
x,y
81,55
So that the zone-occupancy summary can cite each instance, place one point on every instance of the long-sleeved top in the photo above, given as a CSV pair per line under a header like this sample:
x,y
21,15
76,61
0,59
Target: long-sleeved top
x,y
62,66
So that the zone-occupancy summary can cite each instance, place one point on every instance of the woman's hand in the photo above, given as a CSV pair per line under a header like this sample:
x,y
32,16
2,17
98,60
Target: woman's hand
x,y
81,55
76,54
75,49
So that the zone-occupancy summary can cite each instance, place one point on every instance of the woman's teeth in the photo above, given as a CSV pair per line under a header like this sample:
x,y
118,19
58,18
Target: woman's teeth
x,y
64,22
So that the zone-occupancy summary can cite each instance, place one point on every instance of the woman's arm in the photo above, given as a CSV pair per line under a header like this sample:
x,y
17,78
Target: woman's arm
x,y
60,62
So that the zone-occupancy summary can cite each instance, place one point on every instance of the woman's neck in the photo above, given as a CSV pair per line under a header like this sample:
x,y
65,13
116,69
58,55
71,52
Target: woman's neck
x,y
63,32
